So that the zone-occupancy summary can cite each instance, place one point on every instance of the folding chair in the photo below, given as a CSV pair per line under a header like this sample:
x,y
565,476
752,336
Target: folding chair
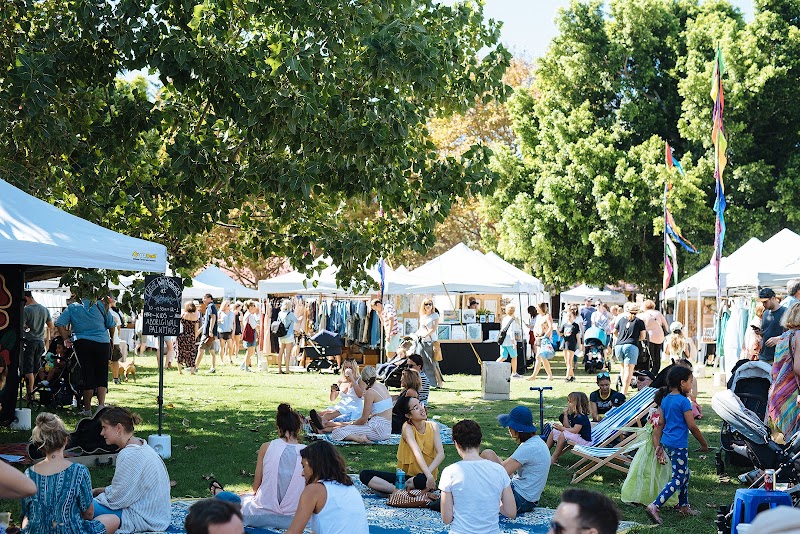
x,y
624,419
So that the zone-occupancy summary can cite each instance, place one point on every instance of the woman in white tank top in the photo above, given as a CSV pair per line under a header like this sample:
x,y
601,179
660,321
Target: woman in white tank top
x,y
329,500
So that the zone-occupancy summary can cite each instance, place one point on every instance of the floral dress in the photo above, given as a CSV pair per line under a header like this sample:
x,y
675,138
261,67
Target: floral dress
x,y
59,500
187,343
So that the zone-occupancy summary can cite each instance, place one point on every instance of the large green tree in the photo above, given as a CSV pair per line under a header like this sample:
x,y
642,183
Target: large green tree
x,y
304,118
583,201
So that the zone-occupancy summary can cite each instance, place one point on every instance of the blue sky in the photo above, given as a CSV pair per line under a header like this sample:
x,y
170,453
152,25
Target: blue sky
x,y
528,25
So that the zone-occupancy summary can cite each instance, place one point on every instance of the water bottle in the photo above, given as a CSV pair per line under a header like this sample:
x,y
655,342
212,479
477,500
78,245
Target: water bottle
x,y
400,479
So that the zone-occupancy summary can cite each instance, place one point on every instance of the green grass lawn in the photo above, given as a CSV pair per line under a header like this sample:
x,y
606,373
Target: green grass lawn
x,y
217,423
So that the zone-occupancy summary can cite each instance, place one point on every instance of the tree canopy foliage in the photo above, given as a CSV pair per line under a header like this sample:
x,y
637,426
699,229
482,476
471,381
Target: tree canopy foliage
x,y
306,119
583,200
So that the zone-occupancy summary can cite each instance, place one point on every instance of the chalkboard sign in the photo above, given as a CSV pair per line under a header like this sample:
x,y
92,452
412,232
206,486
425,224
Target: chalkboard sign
x,y
162,305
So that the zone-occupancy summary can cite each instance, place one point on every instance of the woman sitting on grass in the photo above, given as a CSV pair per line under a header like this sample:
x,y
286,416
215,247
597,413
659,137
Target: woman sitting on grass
x,y
474,491
375,423
278,480
329,500
419,454
139,492
350,390
63,500
529,465
411,384
579,431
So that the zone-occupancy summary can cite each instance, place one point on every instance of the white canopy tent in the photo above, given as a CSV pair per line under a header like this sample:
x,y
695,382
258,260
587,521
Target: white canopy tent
x,y
582,292
463,270
777,261
703,280
214,276
38,234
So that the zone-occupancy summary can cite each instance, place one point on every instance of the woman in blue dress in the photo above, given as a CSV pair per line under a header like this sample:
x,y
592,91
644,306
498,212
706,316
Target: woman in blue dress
x,y
63,499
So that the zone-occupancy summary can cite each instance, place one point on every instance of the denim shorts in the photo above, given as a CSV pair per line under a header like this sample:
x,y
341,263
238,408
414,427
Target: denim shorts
x,y
627,353
523,504
507,352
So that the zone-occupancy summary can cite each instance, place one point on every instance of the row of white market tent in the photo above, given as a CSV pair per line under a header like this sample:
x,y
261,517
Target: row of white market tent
x,y
457,271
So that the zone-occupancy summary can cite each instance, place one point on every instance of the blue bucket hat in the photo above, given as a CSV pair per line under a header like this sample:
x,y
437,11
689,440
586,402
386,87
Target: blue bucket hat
x,y
519,419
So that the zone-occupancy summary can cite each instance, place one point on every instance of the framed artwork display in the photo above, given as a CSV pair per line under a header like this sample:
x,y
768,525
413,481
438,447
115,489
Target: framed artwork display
x,y
449,316
490,318
410,325
458,333
494,335
468,316
443,332
474,332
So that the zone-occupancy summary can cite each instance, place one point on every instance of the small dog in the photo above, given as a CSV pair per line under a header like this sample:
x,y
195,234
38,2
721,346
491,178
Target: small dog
x,y
129,369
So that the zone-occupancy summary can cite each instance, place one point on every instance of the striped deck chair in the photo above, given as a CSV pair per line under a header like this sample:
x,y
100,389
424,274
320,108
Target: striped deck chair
x,y
617,422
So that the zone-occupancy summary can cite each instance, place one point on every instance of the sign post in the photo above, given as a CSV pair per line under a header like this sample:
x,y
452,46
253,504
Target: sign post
x,y
161,317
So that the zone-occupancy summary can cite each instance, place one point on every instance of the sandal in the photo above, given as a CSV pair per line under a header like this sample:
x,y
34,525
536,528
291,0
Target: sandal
x,y
652,511
213,484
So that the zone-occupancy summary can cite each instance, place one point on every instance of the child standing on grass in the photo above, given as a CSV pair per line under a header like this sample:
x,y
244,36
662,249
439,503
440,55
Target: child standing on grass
x,y
671,438
579,429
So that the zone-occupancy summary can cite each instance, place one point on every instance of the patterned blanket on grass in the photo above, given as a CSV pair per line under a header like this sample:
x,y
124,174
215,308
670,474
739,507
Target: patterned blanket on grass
x,y
394,439
385,519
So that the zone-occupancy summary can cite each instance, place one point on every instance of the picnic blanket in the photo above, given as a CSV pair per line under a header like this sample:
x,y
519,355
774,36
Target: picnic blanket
x,y
385,519
394,439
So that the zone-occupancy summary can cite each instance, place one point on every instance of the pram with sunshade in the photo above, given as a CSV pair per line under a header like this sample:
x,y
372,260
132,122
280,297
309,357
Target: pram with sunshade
x,y
595,341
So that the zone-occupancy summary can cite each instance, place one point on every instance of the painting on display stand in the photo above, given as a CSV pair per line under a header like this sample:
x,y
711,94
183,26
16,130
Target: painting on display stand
x,y
443,332
474,332
458,333
494,335
410,325
449,316
468,316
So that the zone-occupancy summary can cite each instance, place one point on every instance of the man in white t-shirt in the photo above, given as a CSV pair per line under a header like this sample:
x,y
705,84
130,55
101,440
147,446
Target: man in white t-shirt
x,y
529,465
474,491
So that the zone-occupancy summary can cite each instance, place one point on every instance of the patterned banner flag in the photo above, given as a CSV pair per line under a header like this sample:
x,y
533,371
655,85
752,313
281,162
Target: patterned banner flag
x,y
720,160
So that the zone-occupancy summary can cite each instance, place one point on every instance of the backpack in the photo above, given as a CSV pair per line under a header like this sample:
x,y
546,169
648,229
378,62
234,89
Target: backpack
x,y
278,328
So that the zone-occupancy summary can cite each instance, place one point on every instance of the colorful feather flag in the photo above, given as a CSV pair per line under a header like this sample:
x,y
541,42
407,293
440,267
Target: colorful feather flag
x,y
720,161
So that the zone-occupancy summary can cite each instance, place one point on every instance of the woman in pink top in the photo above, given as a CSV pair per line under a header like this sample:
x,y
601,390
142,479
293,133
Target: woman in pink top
x,y
278,480
657,329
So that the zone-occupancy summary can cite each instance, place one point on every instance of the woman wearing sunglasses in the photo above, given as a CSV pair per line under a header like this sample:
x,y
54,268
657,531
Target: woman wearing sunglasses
x,y
428,322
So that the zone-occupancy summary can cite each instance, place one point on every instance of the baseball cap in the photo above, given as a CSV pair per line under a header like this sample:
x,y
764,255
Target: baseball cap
x,y
765,293
675,326
644,374
519,419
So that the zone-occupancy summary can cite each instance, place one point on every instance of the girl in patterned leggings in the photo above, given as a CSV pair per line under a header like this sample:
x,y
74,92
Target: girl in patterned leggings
x,y
671,438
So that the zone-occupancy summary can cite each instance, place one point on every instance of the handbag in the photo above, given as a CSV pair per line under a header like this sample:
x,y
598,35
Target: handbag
x,y
503,332
783,407
546,350
410,499
249,333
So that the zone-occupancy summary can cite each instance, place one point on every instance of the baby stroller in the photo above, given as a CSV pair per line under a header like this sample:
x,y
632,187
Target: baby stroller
x,y
322,349
750,382
748,428
64,386
595,341
389,373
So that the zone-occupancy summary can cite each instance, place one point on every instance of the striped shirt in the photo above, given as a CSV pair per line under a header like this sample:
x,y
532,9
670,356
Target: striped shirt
x,y
140,488
426,387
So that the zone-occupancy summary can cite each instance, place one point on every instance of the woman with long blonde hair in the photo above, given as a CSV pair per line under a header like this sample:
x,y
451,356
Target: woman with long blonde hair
x,y
428,322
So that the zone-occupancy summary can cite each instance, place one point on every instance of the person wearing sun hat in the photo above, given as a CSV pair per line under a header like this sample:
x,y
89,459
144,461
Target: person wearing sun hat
x,y
529,465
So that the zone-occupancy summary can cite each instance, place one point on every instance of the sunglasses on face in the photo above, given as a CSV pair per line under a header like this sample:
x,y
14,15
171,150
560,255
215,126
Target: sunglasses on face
x,y
603,375
428,304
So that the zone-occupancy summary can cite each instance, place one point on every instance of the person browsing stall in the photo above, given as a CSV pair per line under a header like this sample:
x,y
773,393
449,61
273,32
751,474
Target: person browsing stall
x,y
529,465
603,398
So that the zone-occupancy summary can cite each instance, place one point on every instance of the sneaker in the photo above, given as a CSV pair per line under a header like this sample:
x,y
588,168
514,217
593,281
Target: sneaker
x,y
211,371
516,375
248,369
116,381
